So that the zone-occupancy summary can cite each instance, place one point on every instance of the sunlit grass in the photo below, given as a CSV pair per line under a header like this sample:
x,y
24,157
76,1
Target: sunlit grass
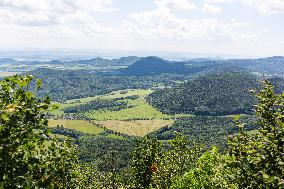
x,y
78,125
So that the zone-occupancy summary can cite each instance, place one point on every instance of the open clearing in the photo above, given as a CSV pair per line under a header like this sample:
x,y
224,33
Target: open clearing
x,y
143,111
78,125
135,128
142,93
139,119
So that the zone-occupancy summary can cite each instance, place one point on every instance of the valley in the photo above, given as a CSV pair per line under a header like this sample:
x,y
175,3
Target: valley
x,y
149,95
107,107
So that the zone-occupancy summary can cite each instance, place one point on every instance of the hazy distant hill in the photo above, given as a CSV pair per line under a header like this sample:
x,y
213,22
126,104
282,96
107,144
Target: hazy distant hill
x,y
101,62
7,61
98,62
138,66
155,65
271,65
211,94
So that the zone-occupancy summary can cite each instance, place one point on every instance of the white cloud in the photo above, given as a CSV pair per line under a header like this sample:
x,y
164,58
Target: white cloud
x,y
161,24
218,1
211,9
267,6
175,4
263,6
54,16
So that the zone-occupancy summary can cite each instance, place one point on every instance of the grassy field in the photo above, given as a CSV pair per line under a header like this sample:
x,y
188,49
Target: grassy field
x,y
144,111
118,121
78,125
142,93
139,108
135,128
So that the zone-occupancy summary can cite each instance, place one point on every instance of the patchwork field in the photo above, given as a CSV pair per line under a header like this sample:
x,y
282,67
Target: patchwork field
x,y
138,119
143,111
142,93
135,128
78,125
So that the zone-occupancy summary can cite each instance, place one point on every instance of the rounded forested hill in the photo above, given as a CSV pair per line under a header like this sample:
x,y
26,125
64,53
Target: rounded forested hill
x,y
211,94
154,65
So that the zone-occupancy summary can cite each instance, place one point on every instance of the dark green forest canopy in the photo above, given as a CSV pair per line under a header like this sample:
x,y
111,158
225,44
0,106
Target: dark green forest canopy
x,y
212,94
207,130
63,85
100,104
97,149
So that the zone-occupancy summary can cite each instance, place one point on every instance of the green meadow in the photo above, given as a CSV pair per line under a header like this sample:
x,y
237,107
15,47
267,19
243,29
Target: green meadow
x,y
78,125
139,119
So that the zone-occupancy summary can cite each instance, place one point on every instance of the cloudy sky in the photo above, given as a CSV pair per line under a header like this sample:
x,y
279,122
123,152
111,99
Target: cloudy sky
x,y
244,27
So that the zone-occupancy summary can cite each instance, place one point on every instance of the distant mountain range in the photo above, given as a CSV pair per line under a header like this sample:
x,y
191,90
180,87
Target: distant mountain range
x,y
156,65
138,66
99,62
271,65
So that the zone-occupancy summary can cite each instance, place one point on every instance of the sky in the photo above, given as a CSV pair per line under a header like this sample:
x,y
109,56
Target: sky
x,y
240,27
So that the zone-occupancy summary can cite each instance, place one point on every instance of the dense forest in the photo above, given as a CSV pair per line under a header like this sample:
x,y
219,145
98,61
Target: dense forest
x,y
62,85
208,130
211,94
106,104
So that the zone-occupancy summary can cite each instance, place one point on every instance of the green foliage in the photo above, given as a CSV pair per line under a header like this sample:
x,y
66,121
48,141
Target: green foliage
x,y
100,104
154,166
258,158
254,160
208,130
212,94
175,161
208,172
26,159
96,149
144,162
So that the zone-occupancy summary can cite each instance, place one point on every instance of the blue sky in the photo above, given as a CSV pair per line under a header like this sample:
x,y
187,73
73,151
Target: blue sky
x,y
241,27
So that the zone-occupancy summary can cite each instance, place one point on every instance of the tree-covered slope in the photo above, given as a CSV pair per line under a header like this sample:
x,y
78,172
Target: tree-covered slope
x,y
270,65
101,62
211,94
155,65
63,85
208,130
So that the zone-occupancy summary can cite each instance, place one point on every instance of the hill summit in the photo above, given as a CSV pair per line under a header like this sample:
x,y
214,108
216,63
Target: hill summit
x,y
213,94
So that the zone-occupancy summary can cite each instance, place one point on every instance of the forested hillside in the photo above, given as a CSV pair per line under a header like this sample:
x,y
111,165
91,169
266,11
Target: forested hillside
x,y
62,85
212,94
101,62
206,130
156,65
271,65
